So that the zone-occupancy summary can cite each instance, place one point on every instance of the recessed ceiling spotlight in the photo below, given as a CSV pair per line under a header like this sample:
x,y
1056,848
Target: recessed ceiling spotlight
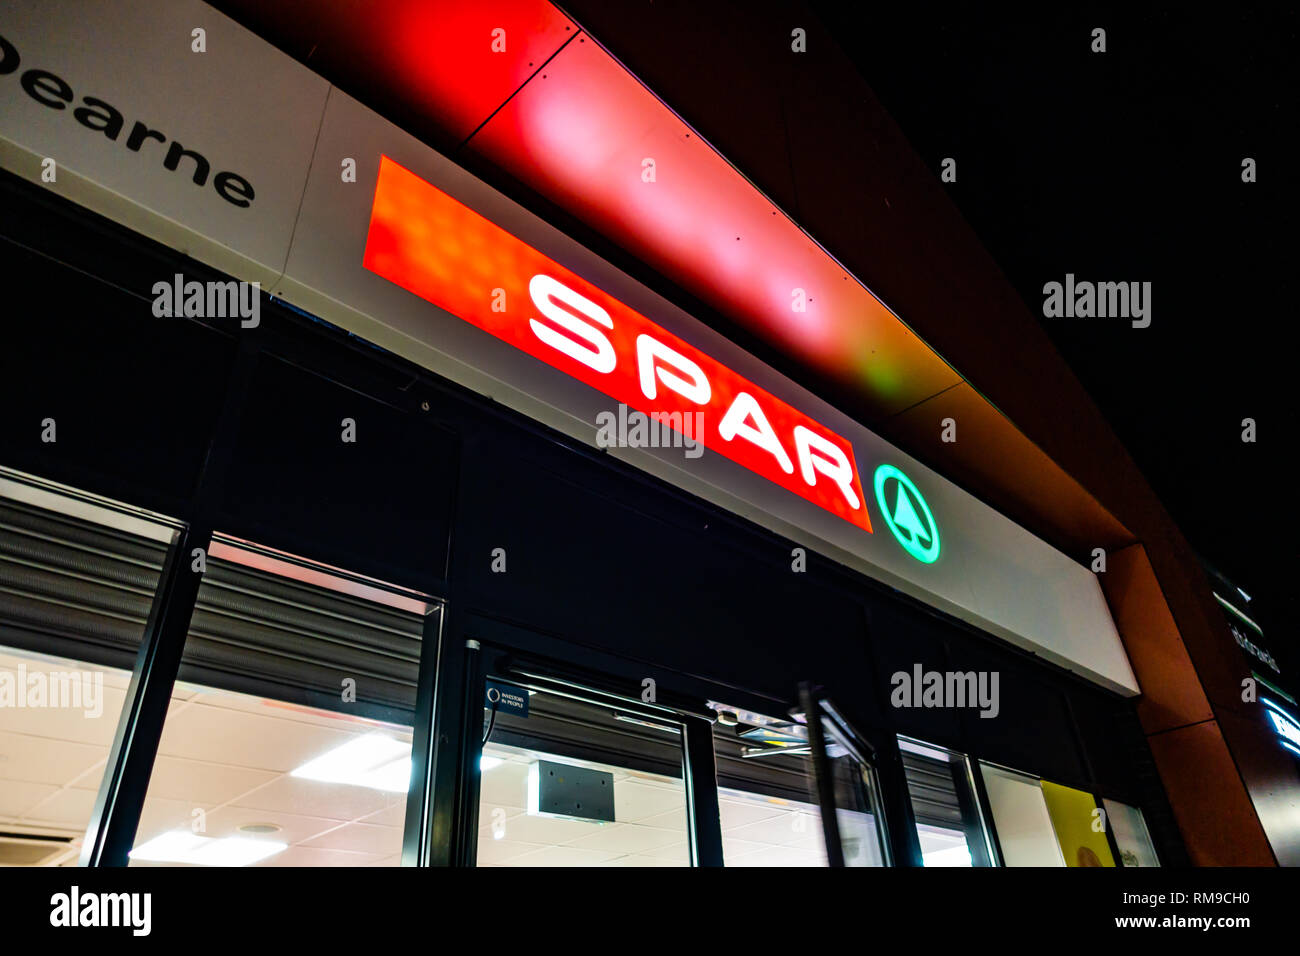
x,y
260,828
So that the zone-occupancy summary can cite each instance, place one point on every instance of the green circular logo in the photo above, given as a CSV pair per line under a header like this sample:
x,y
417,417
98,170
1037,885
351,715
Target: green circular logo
x,y
907,513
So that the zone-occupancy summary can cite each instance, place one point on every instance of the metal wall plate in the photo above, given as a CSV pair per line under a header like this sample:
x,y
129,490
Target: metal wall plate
x,y
558,789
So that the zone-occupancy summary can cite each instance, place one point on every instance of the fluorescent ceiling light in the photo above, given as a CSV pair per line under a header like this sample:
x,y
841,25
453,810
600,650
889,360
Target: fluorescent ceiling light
x,y
376,761
182,846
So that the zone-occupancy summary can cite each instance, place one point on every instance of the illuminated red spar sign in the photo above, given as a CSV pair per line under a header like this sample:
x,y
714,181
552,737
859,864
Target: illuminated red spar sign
x,y
441,250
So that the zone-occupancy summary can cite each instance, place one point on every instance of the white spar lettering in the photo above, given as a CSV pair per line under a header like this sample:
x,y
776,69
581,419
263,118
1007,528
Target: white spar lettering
x,y
658,363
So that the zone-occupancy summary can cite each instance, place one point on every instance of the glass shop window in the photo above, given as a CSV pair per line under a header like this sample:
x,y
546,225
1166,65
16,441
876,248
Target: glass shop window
x,y
767,793
1020,818
77,579
1129,829
766,796
1075,818
948,820
288,739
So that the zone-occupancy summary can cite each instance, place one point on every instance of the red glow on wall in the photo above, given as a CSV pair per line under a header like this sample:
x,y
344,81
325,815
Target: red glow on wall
x,y
554,110
582,134
437,248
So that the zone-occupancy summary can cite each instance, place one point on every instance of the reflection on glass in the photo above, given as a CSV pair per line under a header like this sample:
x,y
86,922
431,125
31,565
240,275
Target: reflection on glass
x,y
648,825
856,808
763,830
948,823
943,847
766,797
577,784
1020,817
77,579
288,738
1074,818
242,780
57,721
1131,836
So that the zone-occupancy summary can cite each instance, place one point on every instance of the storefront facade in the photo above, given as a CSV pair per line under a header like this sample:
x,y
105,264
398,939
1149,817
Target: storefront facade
x,y
307,533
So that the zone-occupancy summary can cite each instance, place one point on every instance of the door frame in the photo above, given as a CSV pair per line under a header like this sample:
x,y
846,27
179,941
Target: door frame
x,y
468,668
816,708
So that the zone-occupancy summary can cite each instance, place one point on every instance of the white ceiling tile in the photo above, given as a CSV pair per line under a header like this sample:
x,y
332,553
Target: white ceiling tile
x,y
493,818
780,856
43,760
734,849
360,838
12,659
17,797
296,713
203,784
311,856
635,860
679,851
78,725
562,856
494,852
317,799
739,812
627,838
392,815
65,809
505,785
260,741
160,816
635,800
674,819
549,831
788,829
294,828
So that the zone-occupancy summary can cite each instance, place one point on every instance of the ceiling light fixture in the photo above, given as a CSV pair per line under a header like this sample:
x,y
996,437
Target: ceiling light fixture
x,y
182,846
260,828
375,760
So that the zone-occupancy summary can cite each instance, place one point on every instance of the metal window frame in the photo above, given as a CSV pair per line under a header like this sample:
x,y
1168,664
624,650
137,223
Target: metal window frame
x,y
110,834
119,803
461,795
818,712
972,801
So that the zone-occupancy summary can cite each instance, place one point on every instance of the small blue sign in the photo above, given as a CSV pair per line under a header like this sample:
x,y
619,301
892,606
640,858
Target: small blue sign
x,y
507,699
1285,725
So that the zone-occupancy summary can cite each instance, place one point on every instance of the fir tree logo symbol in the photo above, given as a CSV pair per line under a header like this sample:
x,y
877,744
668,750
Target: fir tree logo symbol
x,y
907,513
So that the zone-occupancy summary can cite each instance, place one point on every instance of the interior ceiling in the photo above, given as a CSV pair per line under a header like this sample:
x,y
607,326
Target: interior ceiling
x,y
560,115
232,755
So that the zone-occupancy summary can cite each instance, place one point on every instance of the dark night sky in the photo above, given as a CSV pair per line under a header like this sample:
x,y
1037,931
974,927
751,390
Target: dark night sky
x,y
1127,166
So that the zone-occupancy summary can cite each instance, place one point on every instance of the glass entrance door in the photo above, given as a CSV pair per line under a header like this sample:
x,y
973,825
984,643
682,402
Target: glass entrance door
x,y
573,775
844,775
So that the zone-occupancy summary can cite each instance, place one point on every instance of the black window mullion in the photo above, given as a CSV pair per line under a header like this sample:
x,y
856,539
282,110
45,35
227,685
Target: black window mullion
x,y
701,776
419,801
110,835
